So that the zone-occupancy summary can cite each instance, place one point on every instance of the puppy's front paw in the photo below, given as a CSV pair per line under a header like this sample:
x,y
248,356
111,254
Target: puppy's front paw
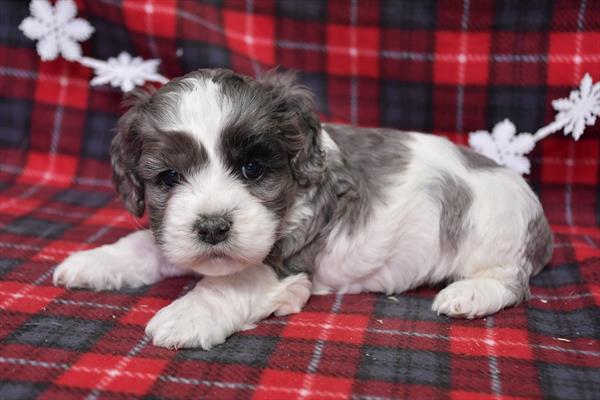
x,y
100,269
187,323
292,294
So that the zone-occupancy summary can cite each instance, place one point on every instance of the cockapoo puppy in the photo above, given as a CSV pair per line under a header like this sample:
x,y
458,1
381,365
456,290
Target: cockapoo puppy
x,y
245,187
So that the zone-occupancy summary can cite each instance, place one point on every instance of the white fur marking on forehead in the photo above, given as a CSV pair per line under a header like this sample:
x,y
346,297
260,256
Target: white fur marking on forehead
x,y
203,112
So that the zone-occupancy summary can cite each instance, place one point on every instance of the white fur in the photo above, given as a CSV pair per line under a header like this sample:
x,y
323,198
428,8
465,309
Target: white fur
x,y
202,113
204,317
220,306
213,191
132,261
398,249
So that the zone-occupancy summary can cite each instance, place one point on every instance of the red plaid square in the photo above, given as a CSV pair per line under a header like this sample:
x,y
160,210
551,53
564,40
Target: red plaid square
x,y
16,207
465,395
191,29
275,384
251,35
92,371
300,43
58,250
571,55
52,127
25,62
118,218
570,166
409,55
144,310
19,297
340,327
63,84
461,58
151,17
353,50
55,169
506,342
584,250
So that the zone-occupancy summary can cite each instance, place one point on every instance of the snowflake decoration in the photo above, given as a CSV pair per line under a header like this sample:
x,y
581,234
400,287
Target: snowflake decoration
x,y
580,109
507,148
56,29
504,146
124,71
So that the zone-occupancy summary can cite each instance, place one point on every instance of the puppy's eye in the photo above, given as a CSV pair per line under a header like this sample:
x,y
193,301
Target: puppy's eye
x,y
169,178
252,170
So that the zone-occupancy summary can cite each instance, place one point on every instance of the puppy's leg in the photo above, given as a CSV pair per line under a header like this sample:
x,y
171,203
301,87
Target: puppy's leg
x,y
220,306
134,260
482,295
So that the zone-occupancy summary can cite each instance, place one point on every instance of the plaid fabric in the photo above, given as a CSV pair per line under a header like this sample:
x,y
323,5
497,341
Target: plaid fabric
x,y
449,67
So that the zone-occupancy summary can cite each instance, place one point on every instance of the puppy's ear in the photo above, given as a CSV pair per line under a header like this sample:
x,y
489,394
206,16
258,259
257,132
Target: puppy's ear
x,y
294,107
125,152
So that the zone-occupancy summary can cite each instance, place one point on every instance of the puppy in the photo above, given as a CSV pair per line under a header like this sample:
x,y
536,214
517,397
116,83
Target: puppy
x,y
244,186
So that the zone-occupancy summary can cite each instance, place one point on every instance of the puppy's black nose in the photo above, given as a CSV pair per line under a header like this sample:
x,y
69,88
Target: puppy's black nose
x,y
212,229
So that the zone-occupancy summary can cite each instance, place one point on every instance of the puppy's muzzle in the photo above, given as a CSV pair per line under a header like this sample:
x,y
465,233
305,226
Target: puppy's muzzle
x,y
212,229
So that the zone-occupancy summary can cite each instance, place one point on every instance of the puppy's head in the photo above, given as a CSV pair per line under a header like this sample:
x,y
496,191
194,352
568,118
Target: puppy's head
x,y
217,159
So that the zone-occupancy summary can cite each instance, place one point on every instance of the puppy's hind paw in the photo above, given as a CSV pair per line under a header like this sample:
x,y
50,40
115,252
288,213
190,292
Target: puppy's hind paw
x,y
472,298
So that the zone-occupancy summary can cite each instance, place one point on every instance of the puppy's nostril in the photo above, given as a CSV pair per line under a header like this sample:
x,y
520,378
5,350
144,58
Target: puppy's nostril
x,y
212,229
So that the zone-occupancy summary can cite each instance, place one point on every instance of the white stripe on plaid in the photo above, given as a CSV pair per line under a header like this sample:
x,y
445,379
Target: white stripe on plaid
x,y
118,368
318,351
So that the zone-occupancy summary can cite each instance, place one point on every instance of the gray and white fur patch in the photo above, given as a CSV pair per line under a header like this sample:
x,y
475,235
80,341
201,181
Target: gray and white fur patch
x,y
359,167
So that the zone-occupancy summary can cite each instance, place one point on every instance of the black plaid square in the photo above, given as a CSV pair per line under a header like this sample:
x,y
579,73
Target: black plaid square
x,y
81,198
406,106
560,275
318,85
304,10
405,366
99,131
37,227
569,382
14,124
408,14
582,323
7,264
62,332
11,16
517,15
522,105
203,55
237,349
20,390
406,308
106,35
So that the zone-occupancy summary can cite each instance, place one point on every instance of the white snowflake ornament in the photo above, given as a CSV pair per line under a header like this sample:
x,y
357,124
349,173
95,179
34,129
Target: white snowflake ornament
x,y
574,114
124,71
580,109
56,29
504,146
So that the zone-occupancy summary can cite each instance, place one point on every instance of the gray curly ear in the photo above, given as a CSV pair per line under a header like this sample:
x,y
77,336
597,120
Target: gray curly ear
x,y
125,153
299,124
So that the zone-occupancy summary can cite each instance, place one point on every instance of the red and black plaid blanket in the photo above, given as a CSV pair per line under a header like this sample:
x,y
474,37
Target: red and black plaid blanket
x,y
447,67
